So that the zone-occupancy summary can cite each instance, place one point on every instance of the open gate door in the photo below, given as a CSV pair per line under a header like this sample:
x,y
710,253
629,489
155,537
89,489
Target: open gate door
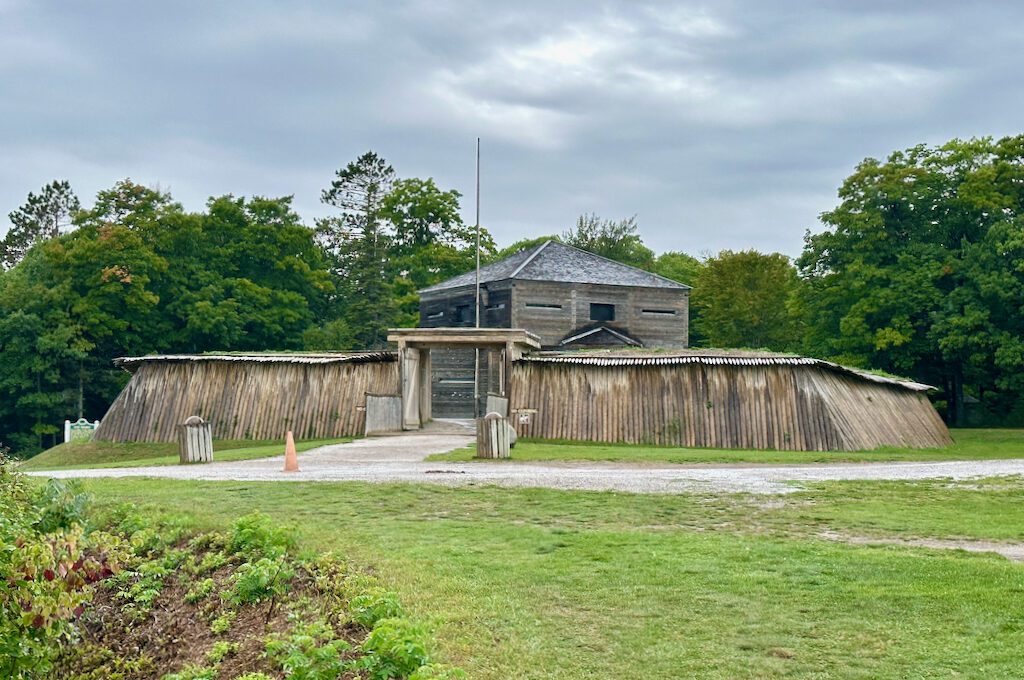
x,y
411,377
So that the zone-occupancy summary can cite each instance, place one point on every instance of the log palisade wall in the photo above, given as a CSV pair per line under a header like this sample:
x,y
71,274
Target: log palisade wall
x,y
259,397
757,403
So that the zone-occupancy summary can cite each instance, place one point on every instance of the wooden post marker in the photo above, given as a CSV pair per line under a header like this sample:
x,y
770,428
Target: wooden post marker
x,y
291,461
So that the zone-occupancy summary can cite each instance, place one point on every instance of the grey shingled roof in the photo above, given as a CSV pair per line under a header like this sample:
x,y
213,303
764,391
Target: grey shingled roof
x,y
554,261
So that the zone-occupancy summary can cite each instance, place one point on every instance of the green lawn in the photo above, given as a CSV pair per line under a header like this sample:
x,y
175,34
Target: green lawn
x,y
129,454
969,445
536,583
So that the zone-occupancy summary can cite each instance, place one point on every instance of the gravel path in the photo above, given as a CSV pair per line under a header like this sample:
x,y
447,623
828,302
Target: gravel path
x,y
400,459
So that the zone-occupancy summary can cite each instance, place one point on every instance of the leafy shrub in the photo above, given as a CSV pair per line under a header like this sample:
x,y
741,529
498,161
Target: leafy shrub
x,y
254,676
261,580
255,536
433,671
395,648
212,561
48,565
193,672
200,591
370,607
221,650
310,652
222,623
61,505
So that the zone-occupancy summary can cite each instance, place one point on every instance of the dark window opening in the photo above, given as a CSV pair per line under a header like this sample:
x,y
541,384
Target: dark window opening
x,y
602,312
542,305
500,305
660,312
462,314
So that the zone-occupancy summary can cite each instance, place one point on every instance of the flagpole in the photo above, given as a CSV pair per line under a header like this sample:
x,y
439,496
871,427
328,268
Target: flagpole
x,y
476,365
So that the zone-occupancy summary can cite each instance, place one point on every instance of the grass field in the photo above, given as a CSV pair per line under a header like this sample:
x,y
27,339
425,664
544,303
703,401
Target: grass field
x,y
969,445
535,583
110,454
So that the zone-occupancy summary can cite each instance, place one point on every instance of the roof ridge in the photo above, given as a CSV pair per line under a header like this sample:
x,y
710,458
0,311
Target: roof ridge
x,y
530,259
623,264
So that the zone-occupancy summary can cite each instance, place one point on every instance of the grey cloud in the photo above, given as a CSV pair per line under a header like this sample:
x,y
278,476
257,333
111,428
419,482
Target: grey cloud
x,y
727,125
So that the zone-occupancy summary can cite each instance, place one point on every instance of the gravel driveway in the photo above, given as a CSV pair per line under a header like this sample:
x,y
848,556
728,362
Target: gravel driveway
x,y
400,459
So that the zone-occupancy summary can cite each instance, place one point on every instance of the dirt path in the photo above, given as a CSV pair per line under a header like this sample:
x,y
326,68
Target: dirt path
x,y
400,458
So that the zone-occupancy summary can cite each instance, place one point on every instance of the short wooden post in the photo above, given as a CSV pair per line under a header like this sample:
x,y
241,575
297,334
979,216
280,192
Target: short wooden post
x,y
494,436
195,441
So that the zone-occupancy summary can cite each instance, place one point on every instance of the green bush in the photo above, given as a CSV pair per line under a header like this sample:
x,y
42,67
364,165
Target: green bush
x,y
370,607
395,648
310,652
254,536
222,623
435,671
261,580
48,565
193,672
200,591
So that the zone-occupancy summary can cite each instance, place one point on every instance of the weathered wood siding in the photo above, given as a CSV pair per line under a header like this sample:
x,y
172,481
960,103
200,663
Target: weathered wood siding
x,y
802,408
247,400
636,311
456,308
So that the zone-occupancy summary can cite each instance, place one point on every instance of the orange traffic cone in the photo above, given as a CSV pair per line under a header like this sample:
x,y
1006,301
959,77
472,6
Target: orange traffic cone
x,y
291,462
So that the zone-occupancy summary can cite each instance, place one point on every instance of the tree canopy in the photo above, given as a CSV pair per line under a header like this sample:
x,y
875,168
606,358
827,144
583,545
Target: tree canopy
x,y
920,270
615,239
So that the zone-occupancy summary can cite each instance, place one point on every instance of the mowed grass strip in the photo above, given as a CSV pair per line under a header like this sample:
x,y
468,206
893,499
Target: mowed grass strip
x,y
536,583
99,454
969,444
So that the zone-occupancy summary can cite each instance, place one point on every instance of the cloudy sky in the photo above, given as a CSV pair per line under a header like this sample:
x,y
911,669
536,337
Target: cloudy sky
x,y
720,125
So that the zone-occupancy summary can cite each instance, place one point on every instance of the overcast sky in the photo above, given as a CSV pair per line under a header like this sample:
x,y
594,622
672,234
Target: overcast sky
x,y
724,125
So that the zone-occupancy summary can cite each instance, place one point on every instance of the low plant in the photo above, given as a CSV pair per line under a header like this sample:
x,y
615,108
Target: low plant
x,y
193,672
433,671
309,652
264,579
222,623
200,591
395,648
255,536
48,567
368,608
221,650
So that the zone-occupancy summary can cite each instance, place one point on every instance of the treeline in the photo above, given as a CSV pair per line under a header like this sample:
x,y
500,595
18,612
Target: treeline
x,y
136,273
919,271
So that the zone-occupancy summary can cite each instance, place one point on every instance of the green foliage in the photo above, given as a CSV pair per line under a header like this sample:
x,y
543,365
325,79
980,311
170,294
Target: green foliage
x,y
433,671
44,216
48,565
745,299
390,238
221,650
617,240
193,672
222,623
368,608
522,244
138,276
309,652
395,648
264,579
200,591
920,270
255,535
